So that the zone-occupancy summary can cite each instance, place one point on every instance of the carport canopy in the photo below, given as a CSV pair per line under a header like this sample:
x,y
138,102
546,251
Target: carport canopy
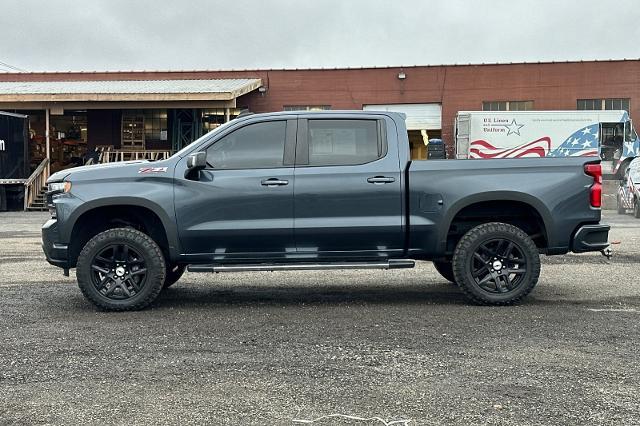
x,y
24,94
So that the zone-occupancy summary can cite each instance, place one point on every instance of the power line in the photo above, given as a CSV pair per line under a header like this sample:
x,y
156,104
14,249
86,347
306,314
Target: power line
x,y
11,67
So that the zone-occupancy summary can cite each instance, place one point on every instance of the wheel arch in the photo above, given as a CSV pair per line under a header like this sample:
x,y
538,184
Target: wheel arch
x,y
142,214
506,205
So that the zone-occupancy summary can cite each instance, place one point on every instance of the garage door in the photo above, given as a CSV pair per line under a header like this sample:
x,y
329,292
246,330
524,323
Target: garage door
x,y
419,116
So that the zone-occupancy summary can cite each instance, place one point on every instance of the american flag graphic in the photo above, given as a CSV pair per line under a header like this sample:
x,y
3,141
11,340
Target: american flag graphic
x,y
483,149
583,142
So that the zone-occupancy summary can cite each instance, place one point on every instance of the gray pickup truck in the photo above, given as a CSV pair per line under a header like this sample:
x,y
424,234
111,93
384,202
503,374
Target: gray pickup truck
x,y
309,190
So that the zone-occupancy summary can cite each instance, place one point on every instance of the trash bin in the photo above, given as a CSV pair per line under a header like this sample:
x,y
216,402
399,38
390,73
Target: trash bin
x,y
435,150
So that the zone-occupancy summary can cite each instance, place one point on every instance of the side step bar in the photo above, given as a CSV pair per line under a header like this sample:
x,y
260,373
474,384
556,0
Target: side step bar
x,y
388,264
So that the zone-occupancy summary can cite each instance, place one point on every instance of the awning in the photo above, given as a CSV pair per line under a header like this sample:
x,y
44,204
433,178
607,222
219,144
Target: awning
x,y
127,90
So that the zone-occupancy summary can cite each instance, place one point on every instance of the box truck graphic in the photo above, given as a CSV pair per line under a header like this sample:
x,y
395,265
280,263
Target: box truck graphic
x,y
523,134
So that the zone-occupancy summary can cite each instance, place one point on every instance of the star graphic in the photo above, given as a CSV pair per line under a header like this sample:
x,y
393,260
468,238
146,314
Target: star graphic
x,y
586,144
586,131
574,141
513,127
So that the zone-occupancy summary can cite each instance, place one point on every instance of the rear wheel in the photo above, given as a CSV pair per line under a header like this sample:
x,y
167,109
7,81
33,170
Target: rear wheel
x,y
496,264
446,270
121,269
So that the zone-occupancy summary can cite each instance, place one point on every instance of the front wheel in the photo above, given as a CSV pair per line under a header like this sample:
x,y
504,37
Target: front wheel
x,y
121,269
496,264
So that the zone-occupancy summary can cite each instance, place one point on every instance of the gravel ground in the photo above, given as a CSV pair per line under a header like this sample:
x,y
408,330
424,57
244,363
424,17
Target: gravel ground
x,y
270,348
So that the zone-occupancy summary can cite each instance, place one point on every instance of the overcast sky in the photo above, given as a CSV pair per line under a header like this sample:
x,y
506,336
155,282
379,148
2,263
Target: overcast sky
x,y
61,35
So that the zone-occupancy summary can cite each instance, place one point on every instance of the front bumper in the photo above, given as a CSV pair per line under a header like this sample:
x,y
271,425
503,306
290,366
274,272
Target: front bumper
x,y
56,253
590,238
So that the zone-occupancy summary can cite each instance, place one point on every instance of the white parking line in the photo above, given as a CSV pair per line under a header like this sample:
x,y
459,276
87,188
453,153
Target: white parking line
x,y
613,310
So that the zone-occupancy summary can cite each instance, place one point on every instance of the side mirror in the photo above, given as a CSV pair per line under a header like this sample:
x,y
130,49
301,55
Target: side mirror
x,y
197,161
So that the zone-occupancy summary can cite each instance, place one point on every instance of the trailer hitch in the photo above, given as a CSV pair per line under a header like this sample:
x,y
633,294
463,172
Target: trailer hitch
x,y
606,253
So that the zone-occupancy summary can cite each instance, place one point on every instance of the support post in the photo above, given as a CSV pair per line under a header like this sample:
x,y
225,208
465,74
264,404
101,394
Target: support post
x,y
227,115
46,133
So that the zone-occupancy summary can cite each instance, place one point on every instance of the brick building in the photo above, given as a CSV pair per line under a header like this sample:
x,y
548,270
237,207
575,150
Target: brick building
x,y
151,111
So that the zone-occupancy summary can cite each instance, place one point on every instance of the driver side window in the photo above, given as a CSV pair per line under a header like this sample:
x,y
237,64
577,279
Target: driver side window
x,y
256,146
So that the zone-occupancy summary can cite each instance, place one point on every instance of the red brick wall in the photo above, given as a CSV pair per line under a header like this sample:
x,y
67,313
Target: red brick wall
x,y
549,85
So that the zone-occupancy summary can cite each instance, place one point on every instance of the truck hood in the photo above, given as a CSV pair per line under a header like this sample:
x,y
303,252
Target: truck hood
x,y
62,174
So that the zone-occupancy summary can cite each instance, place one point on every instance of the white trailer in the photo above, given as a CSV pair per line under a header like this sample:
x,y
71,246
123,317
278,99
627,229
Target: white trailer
x,y
522,134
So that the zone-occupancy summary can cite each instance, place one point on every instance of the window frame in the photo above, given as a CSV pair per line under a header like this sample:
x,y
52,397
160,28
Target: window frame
x,y
507,105
302,145
602,104
288,155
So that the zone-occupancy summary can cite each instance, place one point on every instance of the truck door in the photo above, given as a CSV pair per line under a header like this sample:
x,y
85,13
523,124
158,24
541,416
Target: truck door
x,y
348,192
241,205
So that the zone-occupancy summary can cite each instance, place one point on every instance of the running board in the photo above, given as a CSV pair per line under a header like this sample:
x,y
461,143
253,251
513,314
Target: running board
x,y
390,264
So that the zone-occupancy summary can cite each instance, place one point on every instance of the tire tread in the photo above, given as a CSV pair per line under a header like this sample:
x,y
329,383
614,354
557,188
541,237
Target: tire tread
x,y
84,264
481,231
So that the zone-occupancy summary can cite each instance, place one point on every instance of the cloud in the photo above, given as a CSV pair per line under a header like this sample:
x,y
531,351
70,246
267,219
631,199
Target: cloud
x,y
200,34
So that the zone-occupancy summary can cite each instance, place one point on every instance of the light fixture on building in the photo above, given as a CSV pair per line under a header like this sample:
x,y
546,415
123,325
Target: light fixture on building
x,y
402,75
262,90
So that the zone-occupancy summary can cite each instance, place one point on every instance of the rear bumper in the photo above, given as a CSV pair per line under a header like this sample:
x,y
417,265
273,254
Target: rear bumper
x,y
56,253
590,238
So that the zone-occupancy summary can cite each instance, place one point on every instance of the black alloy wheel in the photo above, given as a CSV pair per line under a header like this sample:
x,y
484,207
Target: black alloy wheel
x,y
496,264
121,269
118,272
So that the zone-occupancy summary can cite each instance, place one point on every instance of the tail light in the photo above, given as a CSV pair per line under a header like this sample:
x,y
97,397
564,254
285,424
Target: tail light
x,y
595,192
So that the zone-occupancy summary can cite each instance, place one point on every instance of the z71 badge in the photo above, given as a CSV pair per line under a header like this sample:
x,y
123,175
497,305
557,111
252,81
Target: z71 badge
x,y
152,170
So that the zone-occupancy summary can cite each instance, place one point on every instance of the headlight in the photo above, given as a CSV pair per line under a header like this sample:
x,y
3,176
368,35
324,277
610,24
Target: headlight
x,y
60,186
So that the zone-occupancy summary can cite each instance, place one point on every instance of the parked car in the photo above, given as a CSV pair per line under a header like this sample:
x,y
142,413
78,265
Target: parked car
x,y
629,192
318,190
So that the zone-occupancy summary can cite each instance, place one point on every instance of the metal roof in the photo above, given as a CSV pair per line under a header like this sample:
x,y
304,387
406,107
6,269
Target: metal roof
x,y
85,90
312,68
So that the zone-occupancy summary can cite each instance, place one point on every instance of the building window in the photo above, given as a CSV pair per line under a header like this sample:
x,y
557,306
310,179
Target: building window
x,y
507,106
155,125
607,104
306,107
132,130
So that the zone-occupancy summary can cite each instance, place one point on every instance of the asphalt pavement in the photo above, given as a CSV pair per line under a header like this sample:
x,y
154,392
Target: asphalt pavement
x,y
288,347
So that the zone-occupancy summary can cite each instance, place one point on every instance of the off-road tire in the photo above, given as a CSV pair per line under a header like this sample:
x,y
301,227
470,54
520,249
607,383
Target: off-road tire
x,y
463,261
145,246
446,270
173,274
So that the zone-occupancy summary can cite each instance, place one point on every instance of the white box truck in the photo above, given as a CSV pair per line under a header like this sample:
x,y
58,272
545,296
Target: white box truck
x,y
522,134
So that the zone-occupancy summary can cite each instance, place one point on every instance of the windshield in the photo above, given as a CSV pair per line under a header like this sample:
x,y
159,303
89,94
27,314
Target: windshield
x,y
184,150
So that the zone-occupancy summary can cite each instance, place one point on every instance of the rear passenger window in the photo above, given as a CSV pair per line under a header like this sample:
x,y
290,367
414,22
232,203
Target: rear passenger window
x,y
344,142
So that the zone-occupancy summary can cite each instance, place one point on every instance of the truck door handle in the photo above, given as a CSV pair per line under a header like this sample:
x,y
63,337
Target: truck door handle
x,y
380,179
274,182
